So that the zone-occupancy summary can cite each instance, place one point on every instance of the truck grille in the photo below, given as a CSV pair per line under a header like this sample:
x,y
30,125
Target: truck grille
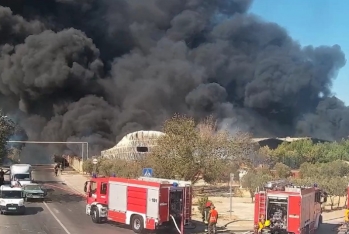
x,y
11,206
35,195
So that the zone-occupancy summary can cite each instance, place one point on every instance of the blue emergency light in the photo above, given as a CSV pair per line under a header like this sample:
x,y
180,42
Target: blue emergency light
x,y
175,184
94,175
113,175
315,185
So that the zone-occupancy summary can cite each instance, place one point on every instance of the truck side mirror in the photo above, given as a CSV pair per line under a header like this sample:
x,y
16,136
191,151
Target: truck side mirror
x,y
85,187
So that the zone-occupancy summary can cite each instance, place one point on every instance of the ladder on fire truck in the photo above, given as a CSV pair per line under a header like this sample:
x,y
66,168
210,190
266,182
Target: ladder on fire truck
x,y
187,204
262,203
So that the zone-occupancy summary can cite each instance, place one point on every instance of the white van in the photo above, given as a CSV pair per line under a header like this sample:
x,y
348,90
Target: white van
x,y
11,200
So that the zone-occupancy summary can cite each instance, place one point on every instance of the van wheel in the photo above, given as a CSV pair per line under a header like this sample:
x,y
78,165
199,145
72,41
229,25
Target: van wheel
x,y
137,224
95,215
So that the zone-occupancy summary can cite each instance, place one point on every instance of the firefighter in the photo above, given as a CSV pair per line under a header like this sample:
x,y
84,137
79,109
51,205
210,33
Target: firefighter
x,y
212,220
346,216
56,169
205,212
263,224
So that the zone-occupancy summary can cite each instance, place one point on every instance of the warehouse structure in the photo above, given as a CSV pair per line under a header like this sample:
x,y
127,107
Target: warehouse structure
x,y
133,146
139,144
273,143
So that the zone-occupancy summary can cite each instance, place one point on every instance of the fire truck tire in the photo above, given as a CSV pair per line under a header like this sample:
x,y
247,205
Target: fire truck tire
x,y
137,223
95,215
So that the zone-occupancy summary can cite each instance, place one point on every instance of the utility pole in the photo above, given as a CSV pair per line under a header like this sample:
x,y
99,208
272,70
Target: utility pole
x,y
231,193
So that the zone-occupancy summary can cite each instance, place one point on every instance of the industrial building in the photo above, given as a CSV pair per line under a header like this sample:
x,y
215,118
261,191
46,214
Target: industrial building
x,y
139,144
133,146
273,143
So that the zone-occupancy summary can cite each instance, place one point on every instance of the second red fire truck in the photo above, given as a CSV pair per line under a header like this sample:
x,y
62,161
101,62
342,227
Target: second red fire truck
x,y
143,203
290,209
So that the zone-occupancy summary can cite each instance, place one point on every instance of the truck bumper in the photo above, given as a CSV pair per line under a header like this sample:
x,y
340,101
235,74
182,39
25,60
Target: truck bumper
x,y
88,209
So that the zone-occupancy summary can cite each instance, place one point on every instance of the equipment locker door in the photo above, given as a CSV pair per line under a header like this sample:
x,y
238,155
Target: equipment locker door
x,y
294,212
164,204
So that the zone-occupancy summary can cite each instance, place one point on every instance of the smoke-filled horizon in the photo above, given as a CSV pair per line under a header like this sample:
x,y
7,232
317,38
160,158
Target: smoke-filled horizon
x,y
95,70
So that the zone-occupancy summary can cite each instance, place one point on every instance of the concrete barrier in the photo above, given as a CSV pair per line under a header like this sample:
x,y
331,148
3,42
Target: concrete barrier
x,y
75,162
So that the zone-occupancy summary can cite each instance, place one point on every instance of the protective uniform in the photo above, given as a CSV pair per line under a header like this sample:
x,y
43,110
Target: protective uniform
x,y
346,216
263,225
205,213
212,221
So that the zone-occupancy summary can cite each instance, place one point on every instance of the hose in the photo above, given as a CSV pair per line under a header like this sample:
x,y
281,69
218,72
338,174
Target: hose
x,y
175,223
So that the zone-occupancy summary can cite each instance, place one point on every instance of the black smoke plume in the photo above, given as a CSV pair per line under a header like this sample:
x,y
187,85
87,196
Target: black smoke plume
x,y
94,70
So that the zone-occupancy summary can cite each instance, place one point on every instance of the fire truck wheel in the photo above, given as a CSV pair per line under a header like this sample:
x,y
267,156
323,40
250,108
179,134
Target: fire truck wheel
x,y
137,224
95,215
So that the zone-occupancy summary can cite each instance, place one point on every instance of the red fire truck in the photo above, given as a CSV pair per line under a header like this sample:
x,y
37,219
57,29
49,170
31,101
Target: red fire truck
x,y
290,209
143,203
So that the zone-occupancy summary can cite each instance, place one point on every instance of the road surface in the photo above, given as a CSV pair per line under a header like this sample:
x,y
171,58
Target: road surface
x,y
64,213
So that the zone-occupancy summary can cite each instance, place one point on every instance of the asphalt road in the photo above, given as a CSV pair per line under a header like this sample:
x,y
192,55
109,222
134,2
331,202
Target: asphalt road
x,y
62,213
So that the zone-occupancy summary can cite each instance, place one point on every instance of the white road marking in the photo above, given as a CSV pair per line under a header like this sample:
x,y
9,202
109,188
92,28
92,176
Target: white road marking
x,y
57,212
58,221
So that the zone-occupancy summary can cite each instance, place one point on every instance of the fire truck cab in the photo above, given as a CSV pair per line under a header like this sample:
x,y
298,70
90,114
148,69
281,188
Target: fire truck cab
x,y
290,209
143,203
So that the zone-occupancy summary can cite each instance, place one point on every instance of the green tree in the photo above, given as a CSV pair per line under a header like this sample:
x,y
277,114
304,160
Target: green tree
x,y
297,152
7,128
309,170
332,187
336,168
190,149
282,170
255,179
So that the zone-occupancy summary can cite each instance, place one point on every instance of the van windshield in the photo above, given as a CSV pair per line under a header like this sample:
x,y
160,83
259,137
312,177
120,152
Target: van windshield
x,y
11,194
22,176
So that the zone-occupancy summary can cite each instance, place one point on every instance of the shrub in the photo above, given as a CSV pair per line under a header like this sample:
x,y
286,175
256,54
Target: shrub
x,y
201,203
87,166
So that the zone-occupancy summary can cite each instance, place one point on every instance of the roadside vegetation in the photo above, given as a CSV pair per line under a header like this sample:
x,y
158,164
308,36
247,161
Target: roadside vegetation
x,y
7,128
194,151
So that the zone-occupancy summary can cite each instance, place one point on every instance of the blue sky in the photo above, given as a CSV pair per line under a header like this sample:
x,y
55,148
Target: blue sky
x,y
313,22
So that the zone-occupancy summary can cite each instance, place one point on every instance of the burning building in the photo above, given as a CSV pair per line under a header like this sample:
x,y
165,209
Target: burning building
x,y
133,146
